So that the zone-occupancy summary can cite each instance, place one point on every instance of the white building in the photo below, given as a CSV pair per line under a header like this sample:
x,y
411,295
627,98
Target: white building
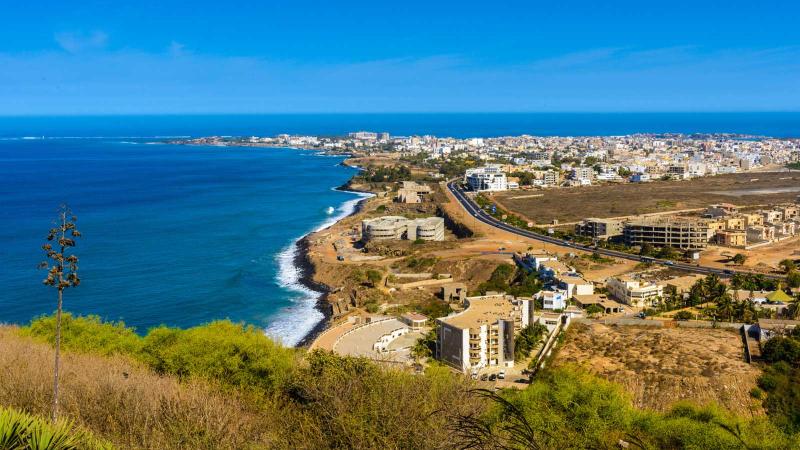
x,y
487,178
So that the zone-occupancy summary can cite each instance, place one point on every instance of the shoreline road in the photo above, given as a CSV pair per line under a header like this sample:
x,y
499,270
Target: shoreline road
x,y
479,214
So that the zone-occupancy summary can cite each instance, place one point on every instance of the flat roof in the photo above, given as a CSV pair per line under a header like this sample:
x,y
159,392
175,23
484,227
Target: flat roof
x,y
484,310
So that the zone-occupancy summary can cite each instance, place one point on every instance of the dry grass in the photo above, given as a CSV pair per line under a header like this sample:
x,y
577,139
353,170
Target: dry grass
x,y
660,366
573,204
125,403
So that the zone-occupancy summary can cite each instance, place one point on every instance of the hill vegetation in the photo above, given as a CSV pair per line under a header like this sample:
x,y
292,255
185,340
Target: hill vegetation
x,y
224,385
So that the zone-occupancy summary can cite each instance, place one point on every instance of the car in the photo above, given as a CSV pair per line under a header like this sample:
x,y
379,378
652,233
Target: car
x,y
484,377
474,376
727,271
641,315
501,375
523,380
340,258
669,263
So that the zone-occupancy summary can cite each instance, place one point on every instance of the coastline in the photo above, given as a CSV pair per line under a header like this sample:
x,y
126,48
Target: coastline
x,y
307,268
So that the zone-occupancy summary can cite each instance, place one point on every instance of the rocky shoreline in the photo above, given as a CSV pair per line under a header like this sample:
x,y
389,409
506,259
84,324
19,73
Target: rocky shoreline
x,y
308,269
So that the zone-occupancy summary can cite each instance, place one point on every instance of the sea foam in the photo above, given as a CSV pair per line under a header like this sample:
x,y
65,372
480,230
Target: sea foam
x,y
293,323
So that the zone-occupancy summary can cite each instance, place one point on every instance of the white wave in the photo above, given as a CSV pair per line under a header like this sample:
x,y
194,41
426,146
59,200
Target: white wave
x,y
294,322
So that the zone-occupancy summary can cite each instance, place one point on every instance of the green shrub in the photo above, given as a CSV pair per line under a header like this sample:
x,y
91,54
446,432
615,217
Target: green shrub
x,y
87,334
234,354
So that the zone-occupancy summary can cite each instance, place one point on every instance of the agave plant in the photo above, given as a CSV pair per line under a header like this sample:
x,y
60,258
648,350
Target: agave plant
x,y
20,431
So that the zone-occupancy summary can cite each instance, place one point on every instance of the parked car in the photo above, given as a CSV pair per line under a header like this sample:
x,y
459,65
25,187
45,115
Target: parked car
x,y
523,380
492,377
501,375
484,377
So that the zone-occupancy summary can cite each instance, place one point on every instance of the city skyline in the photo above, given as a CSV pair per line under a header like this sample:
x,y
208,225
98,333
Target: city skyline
x,y
154,57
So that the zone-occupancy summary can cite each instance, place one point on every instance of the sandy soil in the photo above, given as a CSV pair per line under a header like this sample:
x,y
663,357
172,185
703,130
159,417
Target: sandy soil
x,y
660,366
571,204
761,259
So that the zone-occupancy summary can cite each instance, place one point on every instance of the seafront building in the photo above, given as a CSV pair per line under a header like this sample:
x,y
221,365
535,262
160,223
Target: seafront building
x,y
483,334
395,228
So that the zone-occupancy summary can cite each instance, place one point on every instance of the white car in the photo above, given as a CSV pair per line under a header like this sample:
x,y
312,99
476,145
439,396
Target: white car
x,y
501,375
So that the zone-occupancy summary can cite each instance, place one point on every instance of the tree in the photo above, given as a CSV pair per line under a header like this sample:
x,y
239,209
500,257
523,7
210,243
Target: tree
x,y
739,259
682,315
593,310
787,265
62,273
793,279
374,277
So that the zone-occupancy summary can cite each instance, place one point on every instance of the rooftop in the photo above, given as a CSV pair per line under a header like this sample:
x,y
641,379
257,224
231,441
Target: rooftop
x,y
483,310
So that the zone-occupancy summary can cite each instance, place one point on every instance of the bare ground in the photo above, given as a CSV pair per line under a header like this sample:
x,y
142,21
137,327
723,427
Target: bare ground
x,y
660,366
616,200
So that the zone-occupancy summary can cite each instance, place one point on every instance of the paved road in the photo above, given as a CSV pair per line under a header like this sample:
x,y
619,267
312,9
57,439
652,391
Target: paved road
x,y
479,214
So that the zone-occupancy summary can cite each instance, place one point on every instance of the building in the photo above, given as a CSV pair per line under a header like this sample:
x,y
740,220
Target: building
x,y
363,135
411,192
575,284
483,334
487,178
599,228
582,173
663,231
394,228
634,293
551,178
732,238
553,299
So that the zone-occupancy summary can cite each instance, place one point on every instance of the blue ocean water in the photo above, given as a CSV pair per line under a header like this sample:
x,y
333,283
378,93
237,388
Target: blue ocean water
x,y
777,124
178,235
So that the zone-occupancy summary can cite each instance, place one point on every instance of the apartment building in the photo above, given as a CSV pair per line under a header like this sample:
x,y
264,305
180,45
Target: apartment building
x,y
483,334
686,234
394,228
599,228
487,178
633,292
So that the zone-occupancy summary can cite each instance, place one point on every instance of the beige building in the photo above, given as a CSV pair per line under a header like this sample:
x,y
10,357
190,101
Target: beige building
x,y
732,238
389,228
411,192
483,334
635,293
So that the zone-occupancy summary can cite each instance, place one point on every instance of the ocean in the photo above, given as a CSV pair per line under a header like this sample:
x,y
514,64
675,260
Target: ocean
x,y
182,235
175,235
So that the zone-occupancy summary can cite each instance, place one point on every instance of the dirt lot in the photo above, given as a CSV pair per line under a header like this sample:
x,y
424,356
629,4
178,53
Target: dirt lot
x,y
614,200
659,366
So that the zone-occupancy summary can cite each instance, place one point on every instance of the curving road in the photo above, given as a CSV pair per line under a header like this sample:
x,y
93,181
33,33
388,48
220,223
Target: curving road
x,y
479,214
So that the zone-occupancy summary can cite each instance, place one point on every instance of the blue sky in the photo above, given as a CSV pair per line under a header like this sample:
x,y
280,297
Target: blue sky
x,y
104,57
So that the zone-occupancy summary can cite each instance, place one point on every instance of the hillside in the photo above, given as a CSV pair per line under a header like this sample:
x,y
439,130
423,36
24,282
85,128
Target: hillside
x,y
226,386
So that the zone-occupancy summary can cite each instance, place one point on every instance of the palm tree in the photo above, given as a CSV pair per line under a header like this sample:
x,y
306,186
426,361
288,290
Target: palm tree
x,y
62,273
793,310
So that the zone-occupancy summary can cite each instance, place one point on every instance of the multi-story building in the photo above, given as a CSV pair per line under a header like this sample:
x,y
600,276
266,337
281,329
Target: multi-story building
x,y
487,178
732,238
393,228
483,334
599,228
634,293
680,233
